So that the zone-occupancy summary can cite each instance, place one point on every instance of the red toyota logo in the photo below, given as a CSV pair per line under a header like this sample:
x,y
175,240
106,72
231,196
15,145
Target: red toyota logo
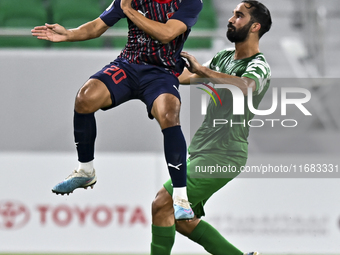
x,y
13,215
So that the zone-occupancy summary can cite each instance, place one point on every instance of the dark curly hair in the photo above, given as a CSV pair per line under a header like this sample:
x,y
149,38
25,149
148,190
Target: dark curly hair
x,y
260,14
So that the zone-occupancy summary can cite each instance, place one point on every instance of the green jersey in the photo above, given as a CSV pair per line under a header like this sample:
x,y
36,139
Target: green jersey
x,y
230,139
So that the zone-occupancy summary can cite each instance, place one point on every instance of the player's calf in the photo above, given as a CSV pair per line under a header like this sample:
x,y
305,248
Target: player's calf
x,y
185,227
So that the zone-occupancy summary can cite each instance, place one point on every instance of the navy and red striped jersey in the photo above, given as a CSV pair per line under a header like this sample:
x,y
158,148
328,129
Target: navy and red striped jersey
x,y
140,47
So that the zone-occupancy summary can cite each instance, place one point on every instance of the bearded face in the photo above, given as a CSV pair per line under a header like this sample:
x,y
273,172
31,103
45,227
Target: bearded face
x,y
238,35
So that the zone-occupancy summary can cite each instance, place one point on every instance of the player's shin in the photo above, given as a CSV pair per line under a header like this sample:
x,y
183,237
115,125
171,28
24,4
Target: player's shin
x,y
175,155
163,239
85,175
85,132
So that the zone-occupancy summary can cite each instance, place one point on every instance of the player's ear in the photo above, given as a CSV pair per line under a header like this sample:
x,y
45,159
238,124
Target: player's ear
x,y
255,27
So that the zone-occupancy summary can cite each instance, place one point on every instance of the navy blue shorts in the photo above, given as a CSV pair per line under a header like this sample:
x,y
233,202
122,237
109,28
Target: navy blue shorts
x,y
127,81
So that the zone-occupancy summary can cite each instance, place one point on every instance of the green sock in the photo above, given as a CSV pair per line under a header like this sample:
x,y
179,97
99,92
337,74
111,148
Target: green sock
x,y
163,239
212,241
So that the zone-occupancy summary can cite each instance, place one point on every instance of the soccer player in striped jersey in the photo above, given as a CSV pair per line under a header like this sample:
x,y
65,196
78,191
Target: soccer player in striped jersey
x,y
244,67
146,69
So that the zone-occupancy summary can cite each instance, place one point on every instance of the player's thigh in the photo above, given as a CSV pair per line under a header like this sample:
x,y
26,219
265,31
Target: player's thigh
x,y
200,189
206,183
119,79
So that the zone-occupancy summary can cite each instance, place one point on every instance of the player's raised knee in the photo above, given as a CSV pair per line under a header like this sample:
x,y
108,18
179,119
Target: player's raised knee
x,y
166,110
93,96
162,204
83,103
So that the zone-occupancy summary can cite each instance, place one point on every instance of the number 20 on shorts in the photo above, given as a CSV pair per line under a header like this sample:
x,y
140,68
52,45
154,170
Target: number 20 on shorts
x,y
116,73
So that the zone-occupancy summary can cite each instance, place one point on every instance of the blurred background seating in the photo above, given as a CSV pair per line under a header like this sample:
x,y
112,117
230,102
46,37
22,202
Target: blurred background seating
x,y
17,17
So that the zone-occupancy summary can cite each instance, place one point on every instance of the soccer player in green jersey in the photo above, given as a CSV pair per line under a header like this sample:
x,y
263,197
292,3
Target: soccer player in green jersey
x,y
246,68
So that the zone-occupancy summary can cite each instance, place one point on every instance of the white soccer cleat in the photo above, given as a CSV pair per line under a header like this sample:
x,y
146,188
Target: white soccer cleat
x,y
77,179
182,209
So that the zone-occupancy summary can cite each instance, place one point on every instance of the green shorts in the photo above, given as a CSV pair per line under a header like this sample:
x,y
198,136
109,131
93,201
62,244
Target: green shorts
x,y
201,187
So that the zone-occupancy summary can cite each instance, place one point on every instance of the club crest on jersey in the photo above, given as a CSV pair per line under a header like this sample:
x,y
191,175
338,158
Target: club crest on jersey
x,y
170,14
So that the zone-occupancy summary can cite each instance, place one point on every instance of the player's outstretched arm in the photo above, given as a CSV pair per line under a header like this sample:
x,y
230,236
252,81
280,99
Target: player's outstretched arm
x,y
57,33
219,78
163,32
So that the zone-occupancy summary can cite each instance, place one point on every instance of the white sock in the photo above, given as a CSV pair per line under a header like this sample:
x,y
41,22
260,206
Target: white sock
x,y
87,167
180,192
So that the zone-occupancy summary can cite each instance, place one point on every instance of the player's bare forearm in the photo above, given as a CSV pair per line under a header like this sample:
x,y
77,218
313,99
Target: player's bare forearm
x,y
163,32
89,30
222,78
57,33
219,78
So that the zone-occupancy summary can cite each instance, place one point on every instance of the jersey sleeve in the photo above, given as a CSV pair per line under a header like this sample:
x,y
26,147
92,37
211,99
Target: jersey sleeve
x,y
113,13
188,12
258,70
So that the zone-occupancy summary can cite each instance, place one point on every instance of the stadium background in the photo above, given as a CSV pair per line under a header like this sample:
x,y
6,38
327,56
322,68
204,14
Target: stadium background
x,y
272,215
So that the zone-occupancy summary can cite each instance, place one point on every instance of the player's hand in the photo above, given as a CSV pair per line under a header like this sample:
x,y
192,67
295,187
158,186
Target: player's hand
x,y
125,4
192,65
53,33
